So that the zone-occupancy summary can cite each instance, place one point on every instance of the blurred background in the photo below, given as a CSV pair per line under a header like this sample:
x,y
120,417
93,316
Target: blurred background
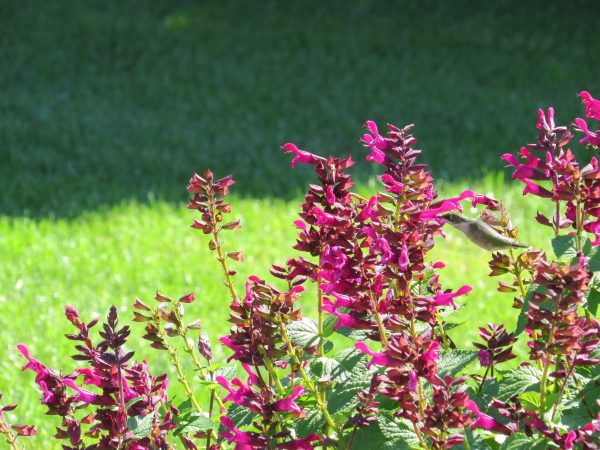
x,y
108,107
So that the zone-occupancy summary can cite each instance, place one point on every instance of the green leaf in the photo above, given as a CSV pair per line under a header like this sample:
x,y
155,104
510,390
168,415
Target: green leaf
x,y
349,361
475,441
594,262
328,324
593,300
132,402
343,398
239,415
565,247
386,433
530,400
309,425
453,361
520,441
140,426
517,381
576,413
323,368
227,372
198,422
304,332
357,335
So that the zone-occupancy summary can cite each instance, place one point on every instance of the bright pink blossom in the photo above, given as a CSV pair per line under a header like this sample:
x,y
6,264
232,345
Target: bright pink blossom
x,y
592,106
289,403
447,298
591,137
301,155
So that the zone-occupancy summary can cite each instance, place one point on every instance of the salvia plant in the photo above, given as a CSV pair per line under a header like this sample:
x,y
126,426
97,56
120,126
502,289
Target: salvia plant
x,y
375,367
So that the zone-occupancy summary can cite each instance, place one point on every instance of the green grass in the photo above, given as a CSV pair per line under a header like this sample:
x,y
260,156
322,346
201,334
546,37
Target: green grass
x,y
107,100
108,107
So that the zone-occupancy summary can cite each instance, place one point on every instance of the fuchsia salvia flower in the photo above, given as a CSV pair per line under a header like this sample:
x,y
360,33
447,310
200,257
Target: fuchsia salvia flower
x,y
447,298
289,403
591,137
592,106
83,395
375,142
301,155
484,421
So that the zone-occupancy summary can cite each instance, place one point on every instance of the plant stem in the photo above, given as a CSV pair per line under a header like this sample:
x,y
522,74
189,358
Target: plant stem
x,y
420,436
174,358
487,369
271,369
122,411
442,332
320,403
219,249
201,370
546,367
5,430
561,391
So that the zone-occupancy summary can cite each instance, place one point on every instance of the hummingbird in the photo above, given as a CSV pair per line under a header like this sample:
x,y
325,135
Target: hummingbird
x,y
481,233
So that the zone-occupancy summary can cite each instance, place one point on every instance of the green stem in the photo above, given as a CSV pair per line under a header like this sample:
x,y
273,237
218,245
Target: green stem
x,y
174,358
562,389
442,332
220,256
271,369
546,368
467,445
487,369
5,430
320,403
201,370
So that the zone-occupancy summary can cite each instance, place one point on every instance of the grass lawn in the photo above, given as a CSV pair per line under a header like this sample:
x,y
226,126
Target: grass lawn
x,y
108,107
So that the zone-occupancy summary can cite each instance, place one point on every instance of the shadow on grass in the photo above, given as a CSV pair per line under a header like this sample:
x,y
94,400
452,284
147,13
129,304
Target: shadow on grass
x,y
107,101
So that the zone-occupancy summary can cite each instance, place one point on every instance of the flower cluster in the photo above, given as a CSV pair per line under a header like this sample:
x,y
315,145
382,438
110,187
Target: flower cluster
x,y
122,392
377,365
550,161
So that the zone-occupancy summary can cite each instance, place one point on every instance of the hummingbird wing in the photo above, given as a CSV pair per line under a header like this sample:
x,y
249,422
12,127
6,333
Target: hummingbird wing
x,y
486,237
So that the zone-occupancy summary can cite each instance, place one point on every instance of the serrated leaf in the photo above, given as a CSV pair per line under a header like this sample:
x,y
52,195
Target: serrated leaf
x,y
520,441
517,381
594,262
593,300
349,361
197,423
565,247
328,324
386,433
227,372
343,397
530,400
575,413
304,332
453,361
132,402
352,333
239,415
309,425
140,426
323,368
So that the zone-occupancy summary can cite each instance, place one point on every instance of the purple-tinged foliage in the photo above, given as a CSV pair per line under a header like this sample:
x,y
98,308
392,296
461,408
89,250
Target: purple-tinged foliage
x,y
97,417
